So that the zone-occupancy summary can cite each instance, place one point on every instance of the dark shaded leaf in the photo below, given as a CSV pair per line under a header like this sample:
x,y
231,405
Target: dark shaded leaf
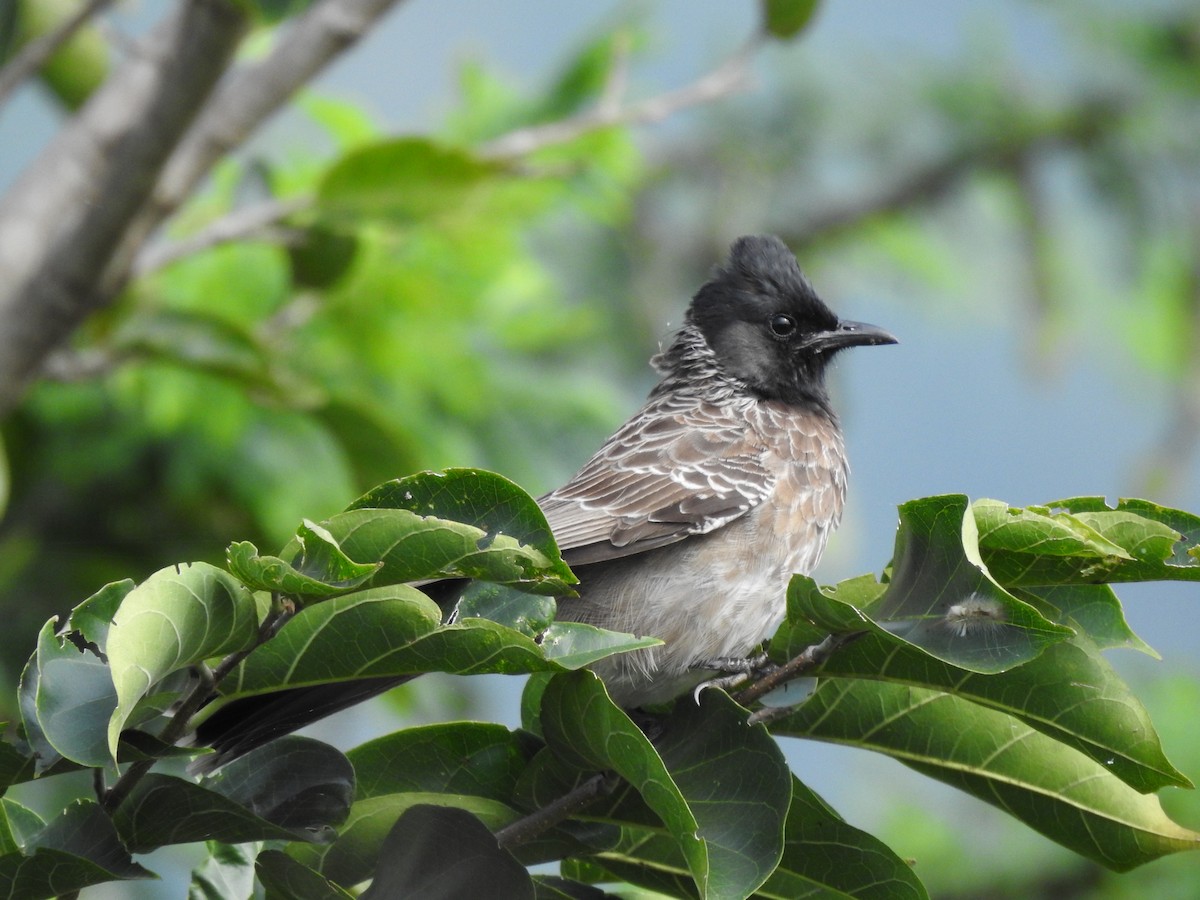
x,y
286,879
719,786
443,853
226,874
468,764
77,849
787,18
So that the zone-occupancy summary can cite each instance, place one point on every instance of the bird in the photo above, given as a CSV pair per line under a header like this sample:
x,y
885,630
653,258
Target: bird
x,y
688,522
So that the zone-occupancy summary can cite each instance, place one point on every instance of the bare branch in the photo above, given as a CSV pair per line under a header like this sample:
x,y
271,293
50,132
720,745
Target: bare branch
x,y
731,77
1081,126
249,221
34,54
62,220
72,226
243,103
545,818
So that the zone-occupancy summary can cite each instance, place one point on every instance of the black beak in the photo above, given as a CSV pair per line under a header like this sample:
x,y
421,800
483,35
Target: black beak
x,y
849,334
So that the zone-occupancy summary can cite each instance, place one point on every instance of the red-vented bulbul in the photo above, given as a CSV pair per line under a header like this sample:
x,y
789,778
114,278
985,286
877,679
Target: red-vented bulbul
x,y
688,522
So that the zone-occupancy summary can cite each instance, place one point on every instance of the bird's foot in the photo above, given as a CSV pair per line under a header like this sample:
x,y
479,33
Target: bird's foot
x,y
735,671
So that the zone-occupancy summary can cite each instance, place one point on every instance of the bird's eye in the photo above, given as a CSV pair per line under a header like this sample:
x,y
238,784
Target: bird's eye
x,y
782,325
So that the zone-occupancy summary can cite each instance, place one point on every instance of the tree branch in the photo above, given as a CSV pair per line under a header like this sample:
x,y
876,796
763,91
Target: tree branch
x,y
246,99
63,219
241,223
1080,126
808,659
556,811
34,54
732,76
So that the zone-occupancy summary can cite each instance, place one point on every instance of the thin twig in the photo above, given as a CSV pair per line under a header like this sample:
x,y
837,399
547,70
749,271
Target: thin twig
x,y
34,54
558,810
805,661
176,728
728,78
248,221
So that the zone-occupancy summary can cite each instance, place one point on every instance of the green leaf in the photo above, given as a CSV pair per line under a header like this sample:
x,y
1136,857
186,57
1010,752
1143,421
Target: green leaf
x,y
1091,608
942,599
74,699
574,645
1145,542
286,879
321,257
175,618
401,181
413,547
488,501
20,825
319,570
823,855
720,789
388,631
77,67
1069,693
77,849
507,606
470,764
1052,788
227,872
92,617
294,789
787,18
442,853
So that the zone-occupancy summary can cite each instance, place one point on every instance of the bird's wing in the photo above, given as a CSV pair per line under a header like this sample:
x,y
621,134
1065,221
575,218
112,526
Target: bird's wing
x,y
679,467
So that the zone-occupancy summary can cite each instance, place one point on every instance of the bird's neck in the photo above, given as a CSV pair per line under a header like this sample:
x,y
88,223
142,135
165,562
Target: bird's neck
x,y
689,367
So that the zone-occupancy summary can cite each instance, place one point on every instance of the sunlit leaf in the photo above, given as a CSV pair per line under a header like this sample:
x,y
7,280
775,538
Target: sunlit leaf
x,y
175,618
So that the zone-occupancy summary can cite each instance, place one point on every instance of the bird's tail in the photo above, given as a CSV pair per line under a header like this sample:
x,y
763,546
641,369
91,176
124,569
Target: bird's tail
x,y
242,725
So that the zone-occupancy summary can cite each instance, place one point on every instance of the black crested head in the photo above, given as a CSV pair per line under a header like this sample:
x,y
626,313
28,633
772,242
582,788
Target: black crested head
x,y
767,328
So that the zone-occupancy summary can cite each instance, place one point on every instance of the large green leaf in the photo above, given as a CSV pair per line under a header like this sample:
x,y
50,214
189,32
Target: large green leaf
x,y
942,598
720,789
402,181
77,849
444,853
393,630
1049,786
177,617
823,857
485,500
1069,692
396,631
1084,541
